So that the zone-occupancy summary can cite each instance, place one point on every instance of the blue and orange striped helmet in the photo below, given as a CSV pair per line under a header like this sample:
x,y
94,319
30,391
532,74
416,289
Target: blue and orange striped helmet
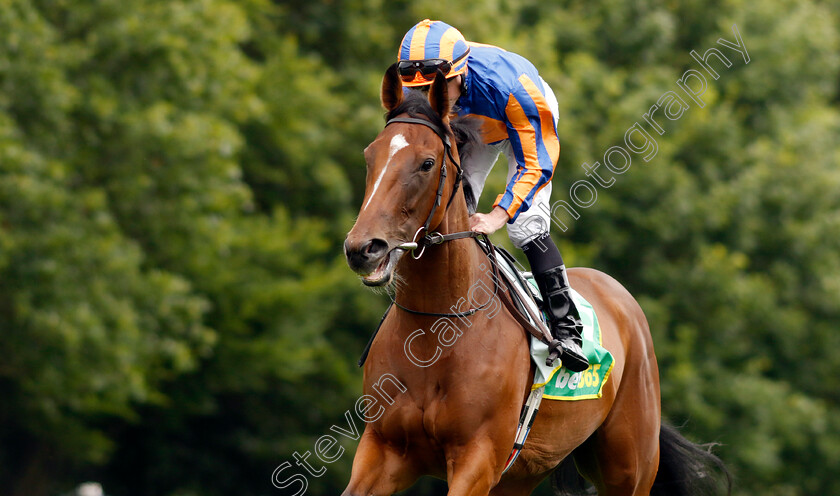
x,y
428,46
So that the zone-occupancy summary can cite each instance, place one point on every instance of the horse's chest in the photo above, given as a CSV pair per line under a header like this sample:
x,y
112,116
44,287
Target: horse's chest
x,y
435,418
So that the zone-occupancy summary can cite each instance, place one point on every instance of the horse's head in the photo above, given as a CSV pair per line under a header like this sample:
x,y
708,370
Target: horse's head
x,y
404,176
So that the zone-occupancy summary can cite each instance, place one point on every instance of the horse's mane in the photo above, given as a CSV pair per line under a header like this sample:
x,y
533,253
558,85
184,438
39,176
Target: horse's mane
x,y
465,130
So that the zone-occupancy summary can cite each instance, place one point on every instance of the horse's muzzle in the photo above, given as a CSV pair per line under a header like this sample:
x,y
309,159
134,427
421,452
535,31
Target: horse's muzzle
x,y
373,260
364,257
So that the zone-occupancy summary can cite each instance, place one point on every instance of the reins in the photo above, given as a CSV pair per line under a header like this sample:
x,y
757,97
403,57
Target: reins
x,y
488,249
471,311
536,328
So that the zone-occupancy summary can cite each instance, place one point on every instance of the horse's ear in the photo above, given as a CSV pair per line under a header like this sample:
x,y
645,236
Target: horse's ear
x,y
392,92
439,95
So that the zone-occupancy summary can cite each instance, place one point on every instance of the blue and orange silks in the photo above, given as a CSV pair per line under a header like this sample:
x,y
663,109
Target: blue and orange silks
x,y
505,91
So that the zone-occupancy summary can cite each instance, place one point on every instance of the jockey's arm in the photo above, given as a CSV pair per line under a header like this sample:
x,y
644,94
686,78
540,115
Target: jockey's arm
x,y
533,138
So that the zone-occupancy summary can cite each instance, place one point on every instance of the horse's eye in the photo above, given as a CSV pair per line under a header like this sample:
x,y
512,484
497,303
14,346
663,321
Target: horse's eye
x,y
427,165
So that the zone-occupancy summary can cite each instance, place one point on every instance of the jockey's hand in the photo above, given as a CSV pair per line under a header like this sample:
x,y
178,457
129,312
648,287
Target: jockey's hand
x,y
489,223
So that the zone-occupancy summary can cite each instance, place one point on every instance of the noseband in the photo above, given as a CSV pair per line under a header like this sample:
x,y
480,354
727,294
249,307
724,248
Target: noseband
x,y
435,238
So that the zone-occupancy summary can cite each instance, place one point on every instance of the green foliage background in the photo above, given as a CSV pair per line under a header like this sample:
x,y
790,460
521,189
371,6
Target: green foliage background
x,y
176,179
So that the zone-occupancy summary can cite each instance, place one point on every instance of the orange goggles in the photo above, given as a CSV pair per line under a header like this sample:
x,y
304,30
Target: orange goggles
x,y
426,68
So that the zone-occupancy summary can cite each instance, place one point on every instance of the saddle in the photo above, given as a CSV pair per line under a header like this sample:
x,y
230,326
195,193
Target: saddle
x,y
525,301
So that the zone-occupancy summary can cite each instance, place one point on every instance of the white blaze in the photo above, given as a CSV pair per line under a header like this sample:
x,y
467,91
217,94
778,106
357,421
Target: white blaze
x,y
398,142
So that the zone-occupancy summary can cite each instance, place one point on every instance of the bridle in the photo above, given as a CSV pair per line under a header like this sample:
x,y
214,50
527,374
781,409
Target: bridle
x,y
435,238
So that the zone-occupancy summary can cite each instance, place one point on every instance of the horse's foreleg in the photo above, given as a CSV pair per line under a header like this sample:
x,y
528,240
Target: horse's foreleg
x,y
472,470
378,470
518,487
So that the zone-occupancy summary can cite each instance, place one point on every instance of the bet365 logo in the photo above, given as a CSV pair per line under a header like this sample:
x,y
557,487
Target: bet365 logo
x,y
589,378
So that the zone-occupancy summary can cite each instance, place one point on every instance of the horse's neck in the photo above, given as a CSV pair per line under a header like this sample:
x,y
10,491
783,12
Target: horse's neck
x,y
445,272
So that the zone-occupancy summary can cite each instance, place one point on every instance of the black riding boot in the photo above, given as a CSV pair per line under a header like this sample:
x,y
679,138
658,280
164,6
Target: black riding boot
x,y
563,318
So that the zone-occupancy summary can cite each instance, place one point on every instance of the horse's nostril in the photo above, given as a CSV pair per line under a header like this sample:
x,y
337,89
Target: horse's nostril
x,y
375,248
364,257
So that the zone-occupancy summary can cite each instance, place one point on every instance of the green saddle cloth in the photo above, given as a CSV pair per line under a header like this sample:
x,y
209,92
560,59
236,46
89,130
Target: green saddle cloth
x,y
559,382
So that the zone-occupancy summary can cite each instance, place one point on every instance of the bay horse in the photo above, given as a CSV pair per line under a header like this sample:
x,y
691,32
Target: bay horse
x,y
456,418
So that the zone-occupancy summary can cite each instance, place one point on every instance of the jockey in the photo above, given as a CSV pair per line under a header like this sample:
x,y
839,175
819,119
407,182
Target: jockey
x,y
518,112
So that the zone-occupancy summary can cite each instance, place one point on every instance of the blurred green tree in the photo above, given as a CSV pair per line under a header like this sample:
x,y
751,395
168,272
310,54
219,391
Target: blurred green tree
x,y
176,179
